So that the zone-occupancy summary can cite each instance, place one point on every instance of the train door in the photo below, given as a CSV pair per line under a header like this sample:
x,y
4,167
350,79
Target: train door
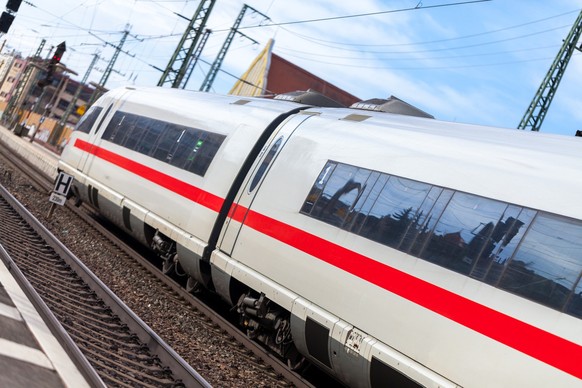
x,y
253,181
94,138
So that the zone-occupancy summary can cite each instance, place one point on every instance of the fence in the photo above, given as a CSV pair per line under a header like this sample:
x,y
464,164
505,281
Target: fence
x,y
42,125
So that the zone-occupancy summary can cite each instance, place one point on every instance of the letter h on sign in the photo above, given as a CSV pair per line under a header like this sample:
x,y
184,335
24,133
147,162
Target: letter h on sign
x,y
63,183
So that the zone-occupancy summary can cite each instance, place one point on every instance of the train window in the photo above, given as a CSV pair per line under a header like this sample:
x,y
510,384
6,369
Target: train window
x,y
135,133
124,129
547,265
362,206
317,188
395,211
366,203
113,127
414,221
435,203
265,164
463,233
187,148
204,151
338,196
167,142
86,122
506,235
152,133
103,118
534,255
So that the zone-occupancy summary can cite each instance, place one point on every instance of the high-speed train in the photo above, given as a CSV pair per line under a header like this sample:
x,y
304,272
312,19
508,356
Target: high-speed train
x,y
387,249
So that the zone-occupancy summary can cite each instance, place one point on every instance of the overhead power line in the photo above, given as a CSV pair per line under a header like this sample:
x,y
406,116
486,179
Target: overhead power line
x,y
333,44
417,8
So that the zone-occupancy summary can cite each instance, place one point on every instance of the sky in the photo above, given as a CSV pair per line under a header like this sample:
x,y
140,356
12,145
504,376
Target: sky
x,y
478,62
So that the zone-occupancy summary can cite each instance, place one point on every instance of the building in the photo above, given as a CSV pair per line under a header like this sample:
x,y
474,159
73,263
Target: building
x,y
269,75
11,69
36,107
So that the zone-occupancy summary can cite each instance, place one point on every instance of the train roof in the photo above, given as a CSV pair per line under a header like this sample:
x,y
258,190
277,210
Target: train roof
x,y
538,170
154,101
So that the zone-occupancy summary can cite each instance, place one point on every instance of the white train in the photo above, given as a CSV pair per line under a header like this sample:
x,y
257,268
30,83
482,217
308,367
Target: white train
x,y
383,248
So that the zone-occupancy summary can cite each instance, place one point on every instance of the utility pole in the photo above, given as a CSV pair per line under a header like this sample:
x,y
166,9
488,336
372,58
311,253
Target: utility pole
x,y
63,121
180,60
100,87
118,48
536,112
195,57
211,75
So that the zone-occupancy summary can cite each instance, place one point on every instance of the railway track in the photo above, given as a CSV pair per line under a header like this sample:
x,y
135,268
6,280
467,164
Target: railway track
x,y
111,337
267,365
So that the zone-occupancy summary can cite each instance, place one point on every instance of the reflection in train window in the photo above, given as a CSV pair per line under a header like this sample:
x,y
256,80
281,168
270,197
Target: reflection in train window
x,y
113,127
463,232
86,122
416,238
395,211
203,152
186,148
317,188
135,134
355,219
546,266
125,128
523,251
167,142
152,133
340,194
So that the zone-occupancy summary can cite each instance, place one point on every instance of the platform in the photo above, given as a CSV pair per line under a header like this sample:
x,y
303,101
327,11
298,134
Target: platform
x,y
30,355
39,155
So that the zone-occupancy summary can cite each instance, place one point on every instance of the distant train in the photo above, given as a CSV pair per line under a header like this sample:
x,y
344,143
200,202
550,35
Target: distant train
x,y
383,248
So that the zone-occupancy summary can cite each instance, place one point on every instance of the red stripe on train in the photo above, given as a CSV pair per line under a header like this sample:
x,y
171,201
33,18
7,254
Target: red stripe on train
x,y
177,186
535,342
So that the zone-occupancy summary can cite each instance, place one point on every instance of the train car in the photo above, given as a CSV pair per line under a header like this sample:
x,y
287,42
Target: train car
x,y
385,249
160,165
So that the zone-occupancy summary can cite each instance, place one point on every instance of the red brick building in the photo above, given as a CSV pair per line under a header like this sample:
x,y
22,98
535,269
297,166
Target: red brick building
x,y
269,75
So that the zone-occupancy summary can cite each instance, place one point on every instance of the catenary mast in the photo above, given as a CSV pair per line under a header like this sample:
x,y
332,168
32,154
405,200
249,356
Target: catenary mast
x,y
178,65
536,112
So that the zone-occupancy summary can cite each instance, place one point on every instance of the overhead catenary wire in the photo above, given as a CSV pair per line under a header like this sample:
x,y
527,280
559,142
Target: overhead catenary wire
x,y
363,53
154,37
317,20
330,43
